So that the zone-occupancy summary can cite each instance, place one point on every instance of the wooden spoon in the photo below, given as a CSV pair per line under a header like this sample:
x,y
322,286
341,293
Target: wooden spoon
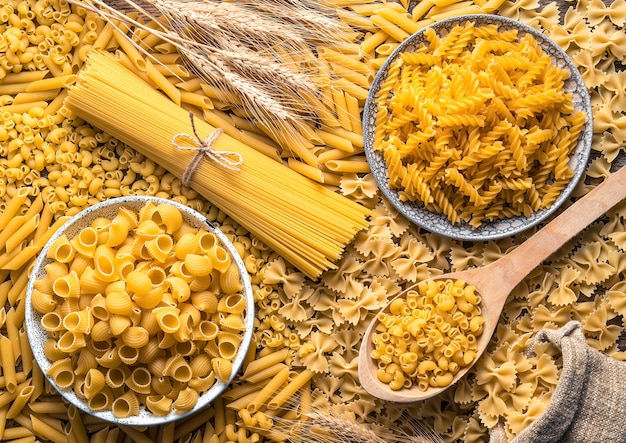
x,y
495,281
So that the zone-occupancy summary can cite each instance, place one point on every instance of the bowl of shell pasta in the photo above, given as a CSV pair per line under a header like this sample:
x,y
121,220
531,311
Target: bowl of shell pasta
x,y
478,127
139,311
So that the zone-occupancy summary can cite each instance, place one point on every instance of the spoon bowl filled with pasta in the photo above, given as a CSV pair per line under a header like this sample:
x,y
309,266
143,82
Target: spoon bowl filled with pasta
x,y
477,127
429,336
139,311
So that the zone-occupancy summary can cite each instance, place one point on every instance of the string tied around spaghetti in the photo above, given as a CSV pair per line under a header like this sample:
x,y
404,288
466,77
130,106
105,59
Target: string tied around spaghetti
x,y
226,159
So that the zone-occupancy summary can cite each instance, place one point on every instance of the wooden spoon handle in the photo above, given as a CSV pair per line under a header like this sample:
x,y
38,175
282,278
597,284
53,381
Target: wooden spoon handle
x,y
570,222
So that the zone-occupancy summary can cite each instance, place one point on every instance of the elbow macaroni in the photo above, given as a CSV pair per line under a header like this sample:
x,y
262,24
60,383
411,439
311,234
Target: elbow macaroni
x,y
428,336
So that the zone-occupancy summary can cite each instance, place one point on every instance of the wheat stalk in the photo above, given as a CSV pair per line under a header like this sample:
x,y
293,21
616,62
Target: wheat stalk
x,y
338,425
246,48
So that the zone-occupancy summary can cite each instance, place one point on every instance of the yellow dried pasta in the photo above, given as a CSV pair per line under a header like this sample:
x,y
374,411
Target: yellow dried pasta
x,y
428,335
467,114
137,331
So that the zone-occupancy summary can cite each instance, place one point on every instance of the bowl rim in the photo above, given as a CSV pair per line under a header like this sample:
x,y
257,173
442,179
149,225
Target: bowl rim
x,y
489,230
145,417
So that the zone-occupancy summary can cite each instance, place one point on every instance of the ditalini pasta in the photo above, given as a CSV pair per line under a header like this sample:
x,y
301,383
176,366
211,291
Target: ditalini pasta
x,y
476,125
305,222
428,336
124,338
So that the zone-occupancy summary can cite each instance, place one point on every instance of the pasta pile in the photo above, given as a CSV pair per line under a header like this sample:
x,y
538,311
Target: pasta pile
x,y
141,309
312,328
476,125
304,221
428,335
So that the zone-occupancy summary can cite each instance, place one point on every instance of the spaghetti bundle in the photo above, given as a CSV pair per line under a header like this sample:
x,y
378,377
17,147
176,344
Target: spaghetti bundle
x,y
305,222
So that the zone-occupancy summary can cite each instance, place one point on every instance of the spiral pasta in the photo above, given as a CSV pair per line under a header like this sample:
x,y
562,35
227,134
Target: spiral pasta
x,y
466,115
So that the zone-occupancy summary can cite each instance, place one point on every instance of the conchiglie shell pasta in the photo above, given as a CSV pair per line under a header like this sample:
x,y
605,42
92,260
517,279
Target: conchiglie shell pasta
x,y
116,376
186,244
119,303
228,344
127,217
101,400
104,266
200,365
123,264
67,285
168,216
233,303
157,276
52,322
222,368
43,302
161,385
205,330
52,352
62,373
68,305
149,322
206,240
202,384
198,264
185,348
90,283
94,383
167,318
135,337
118,233
150,299
61,250
101,331
86,241
160,247
178,270
233,322
140,380
189,310
230,280
125,406
205,301
219,257
79,321
148,229
159,404
110,359
178,368
98,307
146,212
85,362
138,282
186,399
201,283
80,263
179,288
150,351
118,324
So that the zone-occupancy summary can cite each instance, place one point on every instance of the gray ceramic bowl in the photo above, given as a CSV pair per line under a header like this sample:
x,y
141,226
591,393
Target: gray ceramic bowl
x,y
38,337
438,223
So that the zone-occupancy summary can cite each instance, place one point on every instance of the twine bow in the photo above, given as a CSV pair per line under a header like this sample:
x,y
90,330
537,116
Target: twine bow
x,y
227,159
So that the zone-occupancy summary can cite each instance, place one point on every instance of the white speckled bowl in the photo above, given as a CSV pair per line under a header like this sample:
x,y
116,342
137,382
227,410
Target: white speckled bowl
x,y
38,337
438,223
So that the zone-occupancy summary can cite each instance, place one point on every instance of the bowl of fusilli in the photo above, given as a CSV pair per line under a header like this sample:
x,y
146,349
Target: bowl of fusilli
x,y
478,127
139,311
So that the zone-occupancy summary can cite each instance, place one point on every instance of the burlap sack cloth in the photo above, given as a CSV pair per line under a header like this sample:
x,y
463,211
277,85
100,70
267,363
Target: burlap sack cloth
x,y
589,402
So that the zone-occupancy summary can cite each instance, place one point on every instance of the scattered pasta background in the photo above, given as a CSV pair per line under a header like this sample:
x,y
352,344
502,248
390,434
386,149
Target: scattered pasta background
x,y
307,332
